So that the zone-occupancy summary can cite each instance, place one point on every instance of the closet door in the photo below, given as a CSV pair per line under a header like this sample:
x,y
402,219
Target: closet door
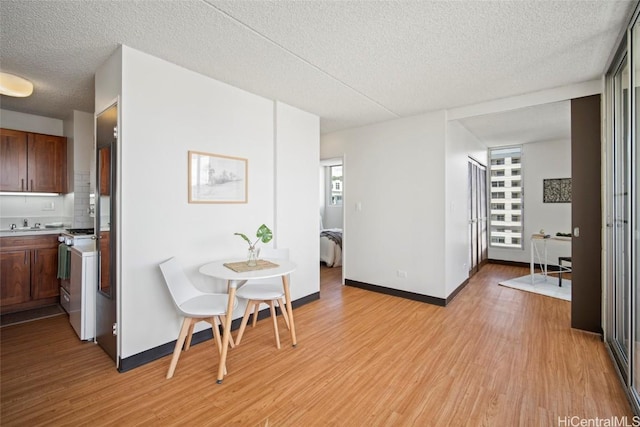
x,y
477,216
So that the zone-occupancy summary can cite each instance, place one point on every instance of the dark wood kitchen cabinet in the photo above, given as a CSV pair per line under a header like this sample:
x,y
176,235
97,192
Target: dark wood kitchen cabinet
x,y
29,272
32,162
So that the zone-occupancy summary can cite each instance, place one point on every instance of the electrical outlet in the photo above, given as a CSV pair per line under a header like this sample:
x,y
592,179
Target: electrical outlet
x,y
49,206
402,274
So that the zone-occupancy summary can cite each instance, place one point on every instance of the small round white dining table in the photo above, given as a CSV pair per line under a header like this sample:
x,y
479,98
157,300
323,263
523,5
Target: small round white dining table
x,y
236,279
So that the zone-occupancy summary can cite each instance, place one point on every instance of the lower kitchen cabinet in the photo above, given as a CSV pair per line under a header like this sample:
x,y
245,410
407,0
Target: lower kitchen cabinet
x,y
28,272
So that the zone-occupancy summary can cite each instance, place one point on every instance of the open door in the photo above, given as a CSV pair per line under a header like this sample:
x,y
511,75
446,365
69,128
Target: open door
x,y
106,185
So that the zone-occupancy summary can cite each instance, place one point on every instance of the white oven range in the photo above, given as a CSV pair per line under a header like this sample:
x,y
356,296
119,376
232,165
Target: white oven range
x,y
78,284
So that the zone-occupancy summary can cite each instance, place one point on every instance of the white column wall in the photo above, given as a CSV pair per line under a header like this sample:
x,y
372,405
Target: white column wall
x,y
297,159
160,123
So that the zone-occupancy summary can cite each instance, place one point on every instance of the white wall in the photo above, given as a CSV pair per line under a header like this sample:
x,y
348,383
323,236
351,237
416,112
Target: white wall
x,y
159,124
542,160
30,123
297,155
78,129
461,144
395,174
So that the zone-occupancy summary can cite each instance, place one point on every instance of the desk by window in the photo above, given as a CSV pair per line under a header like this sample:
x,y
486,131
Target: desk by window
x,y
235,280
542,257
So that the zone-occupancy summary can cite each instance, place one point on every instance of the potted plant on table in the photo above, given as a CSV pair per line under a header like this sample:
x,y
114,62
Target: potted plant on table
x,y
264,235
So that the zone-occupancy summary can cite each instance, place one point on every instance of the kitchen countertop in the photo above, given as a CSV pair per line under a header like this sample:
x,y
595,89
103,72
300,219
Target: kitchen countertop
x,y
32,232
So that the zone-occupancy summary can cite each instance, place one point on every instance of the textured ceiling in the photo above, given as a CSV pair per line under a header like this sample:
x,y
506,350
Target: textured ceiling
x,y
350,62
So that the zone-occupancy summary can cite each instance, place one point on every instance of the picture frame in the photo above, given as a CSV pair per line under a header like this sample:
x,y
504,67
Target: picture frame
x,y
216,178
556,190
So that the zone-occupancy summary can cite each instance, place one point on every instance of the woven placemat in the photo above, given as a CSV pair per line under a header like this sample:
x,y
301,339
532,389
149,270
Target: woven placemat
x,y
241,267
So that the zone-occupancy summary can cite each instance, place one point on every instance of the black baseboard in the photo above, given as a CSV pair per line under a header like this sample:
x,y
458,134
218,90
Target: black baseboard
x,y
396,292
456,291
155,353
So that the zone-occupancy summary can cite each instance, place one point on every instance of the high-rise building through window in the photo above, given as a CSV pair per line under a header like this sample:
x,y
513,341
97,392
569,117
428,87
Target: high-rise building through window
x,y
505,229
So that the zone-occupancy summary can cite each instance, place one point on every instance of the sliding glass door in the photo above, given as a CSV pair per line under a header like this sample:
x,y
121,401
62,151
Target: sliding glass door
x,y
635,216
623,216
620,217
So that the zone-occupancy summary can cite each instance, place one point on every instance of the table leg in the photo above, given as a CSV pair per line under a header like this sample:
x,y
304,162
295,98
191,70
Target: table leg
x,y
287,297
533,262
226,332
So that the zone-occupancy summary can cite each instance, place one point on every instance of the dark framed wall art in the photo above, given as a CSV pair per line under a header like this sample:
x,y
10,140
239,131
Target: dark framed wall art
x,y
557,190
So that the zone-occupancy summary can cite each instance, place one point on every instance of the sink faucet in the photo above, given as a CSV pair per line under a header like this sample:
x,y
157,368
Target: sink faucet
x,y
13,227
25,222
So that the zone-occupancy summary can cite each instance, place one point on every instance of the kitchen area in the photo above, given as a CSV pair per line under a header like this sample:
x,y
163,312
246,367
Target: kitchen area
x,y
49,261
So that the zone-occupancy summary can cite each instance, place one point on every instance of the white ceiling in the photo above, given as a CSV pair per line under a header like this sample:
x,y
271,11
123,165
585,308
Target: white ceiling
x,y
350,62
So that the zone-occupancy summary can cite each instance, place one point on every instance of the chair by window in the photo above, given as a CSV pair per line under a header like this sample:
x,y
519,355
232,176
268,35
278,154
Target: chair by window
x,y
267,292
195,306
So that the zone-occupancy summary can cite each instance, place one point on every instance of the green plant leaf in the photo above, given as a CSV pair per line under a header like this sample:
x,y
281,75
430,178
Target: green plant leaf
x,y
264,234
244,237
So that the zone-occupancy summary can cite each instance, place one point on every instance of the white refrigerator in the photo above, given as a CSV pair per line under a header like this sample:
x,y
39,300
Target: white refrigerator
x,y
82,291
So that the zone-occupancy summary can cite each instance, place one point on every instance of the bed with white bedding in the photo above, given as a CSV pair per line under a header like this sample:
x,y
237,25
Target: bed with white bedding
x,y
331,246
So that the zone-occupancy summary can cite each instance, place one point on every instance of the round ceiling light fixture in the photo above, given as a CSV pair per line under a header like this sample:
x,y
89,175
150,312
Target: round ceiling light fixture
x,y
12,85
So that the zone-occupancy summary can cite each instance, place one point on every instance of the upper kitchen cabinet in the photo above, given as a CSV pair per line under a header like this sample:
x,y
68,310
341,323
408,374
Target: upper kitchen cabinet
x,y
32,162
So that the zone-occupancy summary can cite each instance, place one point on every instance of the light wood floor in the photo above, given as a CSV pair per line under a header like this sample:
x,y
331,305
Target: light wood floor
x,y
495,356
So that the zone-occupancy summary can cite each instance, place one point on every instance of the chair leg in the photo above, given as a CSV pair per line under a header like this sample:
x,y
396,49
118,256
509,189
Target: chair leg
x,y
232,344
216,335
187,343
283,309
243,324
275,323
186,325
256,310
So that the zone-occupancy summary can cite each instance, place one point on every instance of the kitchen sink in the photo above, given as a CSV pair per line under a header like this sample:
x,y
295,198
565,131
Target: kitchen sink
x,y
28,229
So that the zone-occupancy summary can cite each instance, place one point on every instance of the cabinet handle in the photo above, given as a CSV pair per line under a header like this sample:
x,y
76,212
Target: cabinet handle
x,y
22,184
26,257
31,185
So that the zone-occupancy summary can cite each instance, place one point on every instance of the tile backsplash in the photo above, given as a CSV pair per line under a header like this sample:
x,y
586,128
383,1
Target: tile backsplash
x,y
73,209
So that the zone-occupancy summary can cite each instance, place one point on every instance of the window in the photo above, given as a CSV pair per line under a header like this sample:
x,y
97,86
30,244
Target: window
x,y
336,185
505,228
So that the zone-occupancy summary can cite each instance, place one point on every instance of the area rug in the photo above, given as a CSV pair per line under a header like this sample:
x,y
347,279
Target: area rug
x,y
540,285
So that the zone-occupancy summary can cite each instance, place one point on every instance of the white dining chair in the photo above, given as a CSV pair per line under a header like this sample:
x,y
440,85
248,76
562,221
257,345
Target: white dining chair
x,y
195,306
265,291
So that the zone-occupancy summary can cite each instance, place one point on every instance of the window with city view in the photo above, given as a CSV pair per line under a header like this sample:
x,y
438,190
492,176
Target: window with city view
x,y
336,185
505,228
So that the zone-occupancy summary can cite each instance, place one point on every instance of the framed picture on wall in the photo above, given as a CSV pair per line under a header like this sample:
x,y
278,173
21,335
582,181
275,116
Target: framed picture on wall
x,y
214,178
557,190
